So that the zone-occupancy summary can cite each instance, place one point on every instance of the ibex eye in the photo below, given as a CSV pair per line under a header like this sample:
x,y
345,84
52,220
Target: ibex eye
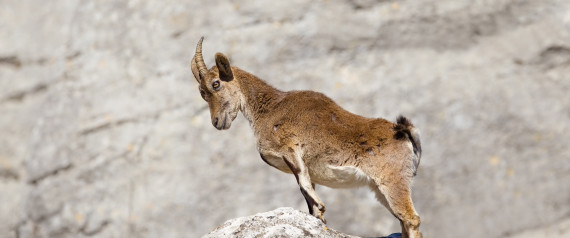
x,y
216,85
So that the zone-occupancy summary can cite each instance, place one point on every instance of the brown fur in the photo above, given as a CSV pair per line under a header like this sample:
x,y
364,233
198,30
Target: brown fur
x,y
307,134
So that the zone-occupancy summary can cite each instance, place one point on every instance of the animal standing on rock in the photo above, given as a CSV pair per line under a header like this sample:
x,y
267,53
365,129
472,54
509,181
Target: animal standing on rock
x,y
307,134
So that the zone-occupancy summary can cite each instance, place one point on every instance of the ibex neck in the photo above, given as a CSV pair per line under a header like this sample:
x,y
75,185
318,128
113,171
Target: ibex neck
x,y
258,96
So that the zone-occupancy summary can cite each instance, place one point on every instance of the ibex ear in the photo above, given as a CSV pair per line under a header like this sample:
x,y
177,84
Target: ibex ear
x,y
224,68
195,70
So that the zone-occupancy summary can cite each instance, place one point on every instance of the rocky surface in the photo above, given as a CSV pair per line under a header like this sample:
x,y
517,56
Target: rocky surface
x,y
103,132
281,222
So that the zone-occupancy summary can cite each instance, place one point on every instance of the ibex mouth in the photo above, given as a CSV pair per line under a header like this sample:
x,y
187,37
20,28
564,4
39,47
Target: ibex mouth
x,y
223,124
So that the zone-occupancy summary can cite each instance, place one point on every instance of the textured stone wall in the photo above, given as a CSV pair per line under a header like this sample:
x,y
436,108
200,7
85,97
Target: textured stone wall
x,y
103,132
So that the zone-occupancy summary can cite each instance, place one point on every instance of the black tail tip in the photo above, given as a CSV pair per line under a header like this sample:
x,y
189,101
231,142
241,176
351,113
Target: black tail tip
x,y
404,121
402,128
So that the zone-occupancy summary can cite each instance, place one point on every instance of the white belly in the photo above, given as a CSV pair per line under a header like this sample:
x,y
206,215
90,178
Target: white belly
x,y
339,176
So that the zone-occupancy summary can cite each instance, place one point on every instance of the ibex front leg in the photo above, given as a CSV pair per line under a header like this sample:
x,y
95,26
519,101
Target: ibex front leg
x,y
295,162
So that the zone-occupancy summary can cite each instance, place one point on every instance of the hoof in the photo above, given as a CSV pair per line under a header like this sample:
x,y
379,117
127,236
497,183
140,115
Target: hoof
x,y
323,220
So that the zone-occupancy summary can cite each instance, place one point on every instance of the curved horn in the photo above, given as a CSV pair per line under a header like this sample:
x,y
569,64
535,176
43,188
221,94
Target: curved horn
x,y
200,60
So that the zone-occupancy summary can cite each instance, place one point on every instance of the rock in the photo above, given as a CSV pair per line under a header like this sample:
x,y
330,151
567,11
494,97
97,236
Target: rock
x,y
281,222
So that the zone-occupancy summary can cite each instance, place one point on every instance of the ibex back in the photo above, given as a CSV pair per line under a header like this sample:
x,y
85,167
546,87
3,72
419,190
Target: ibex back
x,y
307,134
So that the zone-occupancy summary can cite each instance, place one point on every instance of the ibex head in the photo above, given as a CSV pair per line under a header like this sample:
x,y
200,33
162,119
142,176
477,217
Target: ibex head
x,y
218,88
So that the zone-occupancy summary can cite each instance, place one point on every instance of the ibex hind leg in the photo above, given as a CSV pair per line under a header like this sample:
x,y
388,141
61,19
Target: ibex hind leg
x,y
382,199
396,197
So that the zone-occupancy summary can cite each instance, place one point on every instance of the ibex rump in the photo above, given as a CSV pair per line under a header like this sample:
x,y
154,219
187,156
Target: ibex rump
x,y
307,134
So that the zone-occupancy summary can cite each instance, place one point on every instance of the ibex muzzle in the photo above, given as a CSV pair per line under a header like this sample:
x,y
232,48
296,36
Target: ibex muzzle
x,y
307,134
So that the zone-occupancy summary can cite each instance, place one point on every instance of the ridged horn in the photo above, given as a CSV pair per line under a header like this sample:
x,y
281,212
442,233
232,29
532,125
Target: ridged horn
x,y
200,60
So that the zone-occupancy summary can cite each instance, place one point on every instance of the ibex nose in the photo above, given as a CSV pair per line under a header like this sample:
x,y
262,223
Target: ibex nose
x,y
215,122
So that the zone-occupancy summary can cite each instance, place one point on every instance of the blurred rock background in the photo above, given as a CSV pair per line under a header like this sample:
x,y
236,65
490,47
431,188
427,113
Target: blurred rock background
x,y
103,132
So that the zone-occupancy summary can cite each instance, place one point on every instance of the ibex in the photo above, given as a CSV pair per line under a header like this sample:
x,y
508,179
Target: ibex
x,y
307,134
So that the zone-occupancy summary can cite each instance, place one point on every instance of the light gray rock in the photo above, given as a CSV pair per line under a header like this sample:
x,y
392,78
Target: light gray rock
x,y
281,222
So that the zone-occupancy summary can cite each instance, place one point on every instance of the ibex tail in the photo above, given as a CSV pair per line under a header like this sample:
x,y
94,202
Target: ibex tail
x,y
406,130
